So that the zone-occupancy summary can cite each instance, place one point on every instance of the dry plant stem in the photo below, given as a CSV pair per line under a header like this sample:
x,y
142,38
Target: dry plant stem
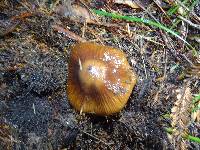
x,y
189,22
9,29
96,36
84,29
162,84
171,48
165,68
186,8
187,59
169,45
25,6
150,39
143,7
142,49
157,3
98,139
184,31
68,33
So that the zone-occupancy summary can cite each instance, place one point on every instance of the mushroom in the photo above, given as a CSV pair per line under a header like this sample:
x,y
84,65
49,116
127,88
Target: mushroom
x,y
100,79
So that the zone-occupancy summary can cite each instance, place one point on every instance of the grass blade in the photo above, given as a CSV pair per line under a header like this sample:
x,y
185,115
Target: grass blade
x,y
141,20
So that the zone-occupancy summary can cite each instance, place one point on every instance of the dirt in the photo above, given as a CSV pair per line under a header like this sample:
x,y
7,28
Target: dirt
x,y
34,107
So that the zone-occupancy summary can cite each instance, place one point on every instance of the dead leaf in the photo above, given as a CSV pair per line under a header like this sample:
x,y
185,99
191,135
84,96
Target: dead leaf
x,y
83,13
130,3
75,13
180,114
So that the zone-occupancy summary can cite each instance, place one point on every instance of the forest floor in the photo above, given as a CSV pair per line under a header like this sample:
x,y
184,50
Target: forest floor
x,y
163,110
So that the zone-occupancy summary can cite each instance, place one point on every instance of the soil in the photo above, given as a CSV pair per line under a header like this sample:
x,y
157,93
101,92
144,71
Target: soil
x,y
34,106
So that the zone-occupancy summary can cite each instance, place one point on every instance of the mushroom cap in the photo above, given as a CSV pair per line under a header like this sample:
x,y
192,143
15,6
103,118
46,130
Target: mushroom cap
x,y
100,79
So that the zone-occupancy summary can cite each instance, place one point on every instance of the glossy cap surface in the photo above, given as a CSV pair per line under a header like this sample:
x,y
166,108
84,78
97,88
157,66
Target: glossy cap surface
x,y
100,79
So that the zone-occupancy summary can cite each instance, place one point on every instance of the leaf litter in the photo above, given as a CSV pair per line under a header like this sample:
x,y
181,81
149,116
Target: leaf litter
x,y
34,107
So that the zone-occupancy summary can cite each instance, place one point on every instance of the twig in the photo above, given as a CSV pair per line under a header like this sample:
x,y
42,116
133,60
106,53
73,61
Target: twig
x,y
107,144
189,22
68,33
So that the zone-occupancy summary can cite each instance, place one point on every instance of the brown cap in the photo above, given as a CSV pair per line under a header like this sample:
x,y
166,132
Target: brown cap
x,y
100,79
